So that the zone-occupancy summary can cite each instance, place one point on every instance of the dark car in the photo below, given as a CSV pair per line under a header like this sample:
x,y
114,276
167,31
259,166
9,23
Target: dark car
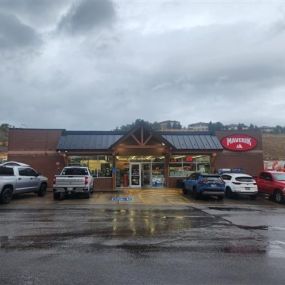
x,y
202,184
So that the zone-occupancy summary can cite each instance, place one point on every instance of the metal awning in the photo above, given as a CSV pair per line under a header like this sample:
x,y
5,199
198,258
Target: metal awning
x,y
193,141
87,140
104,140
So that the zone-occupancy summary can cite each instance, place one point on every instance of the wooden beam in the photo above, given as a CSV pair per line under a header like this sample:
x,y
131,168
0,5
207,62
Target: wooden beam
x,y
142,147
147,140
134,137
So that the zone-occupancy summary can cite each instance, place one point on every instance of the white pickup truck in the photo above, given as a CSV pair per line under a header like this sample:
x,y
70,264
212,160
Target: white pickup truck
x,y
72,180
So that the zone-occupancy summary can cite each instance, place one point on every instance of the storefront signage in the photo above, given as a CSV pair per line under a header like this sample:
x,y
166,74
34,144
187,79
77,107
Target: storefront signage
x,y
239,142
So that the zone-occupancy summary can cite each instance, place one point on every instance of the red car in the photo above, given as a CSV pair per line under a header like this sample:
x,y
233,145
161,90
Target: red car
x,y
273,184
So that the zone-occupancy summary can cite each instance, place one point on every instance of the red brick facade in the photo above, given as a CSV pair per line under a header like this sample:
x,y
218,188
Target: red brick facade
x,y
250,161
36,148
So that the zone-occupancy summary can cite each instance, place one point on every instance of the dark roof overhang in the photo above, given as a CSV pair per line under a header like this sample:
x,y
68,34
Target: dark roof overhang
x,y
88,141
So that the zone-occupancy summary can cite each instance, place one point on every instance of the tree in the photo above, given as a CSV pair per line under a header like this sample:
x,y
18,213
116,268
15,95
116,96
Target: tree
x,y
155,125
241,126
4,133
278,130
253,127
218,126
128,127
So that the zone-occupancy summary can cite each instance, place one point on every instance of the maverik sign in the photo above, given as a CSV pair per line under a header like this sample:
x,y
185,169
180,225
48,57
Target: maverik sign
x,y
239,142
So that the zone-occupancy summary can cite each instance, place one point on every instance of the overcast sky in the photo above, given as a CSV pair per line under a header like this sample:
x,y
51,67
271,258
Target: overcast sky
x,y
98,64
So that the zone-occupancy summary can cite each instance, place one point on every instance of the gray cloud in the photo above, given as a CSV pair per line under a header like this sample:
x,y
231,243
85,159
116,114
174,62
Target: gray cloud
x,y
186,62
40,14
16,35
86,15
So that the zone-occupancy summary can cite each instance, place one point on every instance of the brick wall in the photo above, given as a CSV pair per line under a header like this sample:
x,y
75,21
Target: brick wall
x,y
250,161
37,148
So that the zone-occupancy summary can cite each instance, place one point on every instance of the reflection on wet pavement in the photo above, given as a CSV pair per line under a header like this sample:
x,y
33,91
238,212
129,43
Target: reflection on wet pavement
x,y
128,228
201,243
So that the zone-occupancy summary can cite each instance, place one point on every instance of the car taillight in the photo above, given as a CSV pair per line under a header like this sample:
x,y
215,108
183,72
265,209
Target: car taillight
x,y
237,183
86,180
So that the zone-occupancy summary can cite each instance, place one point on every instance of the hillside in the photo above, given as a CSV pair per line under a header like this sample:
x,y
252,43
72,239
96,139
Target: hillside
x,y
273,146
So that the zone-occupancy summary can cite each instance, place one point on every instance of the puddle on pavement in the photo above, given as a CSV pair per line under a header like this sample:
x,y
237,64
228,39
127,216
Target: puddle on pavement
x,y
233,209
134,230
56,226
246,227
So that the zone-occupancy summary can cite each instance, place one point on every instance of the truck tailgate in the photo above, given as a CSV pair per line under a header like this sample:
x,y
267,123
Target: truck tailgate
x,y
69,181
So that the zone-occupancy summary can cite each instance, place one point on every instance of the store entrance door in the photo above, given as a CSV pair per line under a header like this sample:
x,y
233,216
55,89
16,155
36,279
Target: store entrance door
x,y
135,175
146,174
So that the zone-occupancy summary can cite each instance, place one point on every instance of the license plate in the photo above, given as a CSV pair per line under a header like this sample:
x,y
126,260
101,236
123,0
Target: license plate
x,y
247,188
213,185
69,188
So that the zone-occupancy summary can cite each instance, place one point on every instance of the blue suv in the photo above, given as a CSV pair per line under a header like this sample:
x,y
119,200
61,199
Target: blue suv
x,y
202,184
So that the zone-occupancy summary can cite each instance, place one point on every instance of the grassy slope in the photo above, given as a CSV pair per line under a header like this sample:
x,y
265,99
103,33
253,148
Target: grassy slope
x,y
273,146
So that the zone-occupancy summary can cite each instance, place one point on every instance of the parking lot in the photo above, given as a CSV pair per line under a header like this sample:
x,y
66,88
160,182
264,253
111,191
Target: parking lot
x,y
150,236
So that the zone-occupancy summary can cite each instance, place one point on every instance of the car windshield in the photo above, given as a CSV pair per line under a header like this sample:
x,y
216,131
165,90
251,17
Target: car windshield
x,y
245,179
279,176
74,171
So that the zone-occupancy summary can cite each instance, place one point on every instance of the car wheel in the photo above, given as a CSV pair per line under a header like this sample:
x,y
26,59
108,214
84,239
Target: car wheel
x,y
6,195
184,190
278,196
87,195
56,196
196,195
43,190
229,193
253,197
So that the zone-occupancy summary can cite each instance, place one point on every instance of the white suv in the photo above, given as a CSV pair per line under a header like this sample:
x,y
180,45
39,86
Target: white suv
x,y
240,184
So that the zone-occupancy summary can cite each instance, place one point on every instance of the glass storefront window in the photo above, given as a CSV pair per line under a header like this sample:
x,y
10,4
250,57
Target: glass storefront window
x,y
184,165
157,177
99,165
152,170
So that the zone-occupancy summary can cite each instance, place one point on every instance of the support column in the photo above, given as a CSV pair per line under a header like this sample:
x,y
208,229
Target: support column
x,y
114,172
212,162
166,169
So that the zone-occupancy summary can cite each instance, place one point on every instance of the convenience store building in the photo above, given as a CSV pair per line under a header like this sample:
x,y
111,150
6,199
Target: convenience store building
x,y
139,158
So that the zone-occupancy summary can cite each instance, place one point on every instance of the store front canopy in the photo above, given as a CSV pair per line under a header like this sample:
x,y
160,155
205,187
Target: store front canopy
x,y
139,137
84,140
193,141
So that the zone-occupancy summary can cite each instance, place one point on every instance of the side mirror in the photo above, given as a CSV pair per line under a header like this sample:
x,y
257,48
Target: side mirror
x,y
38,174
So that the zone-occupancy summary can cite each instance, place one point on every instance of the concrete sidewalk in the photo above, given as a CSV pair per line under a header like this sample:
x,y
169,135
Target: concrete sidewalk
x,y
144,197
124,196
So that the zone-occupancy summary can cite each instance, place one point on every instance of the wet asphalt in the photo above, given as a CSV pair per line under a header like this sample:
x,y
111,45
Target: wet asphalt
x,y
206,242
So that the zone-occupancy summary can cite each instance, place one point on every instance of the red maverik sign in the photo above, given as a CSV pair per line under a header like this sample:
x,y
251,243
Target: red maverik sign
x,y
239,142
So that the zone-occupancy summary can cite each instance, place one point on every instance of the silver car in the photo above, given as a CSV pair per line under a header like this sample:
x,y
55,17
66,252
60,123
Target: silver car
x,y
20,179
